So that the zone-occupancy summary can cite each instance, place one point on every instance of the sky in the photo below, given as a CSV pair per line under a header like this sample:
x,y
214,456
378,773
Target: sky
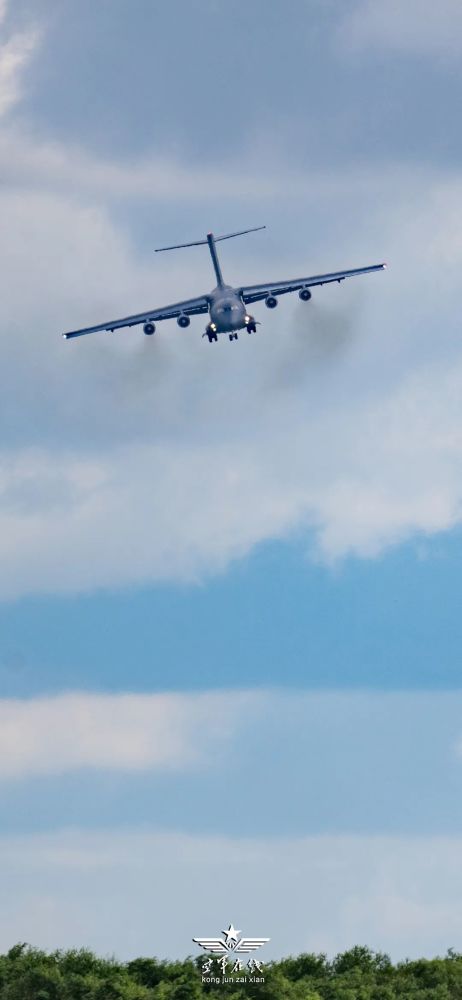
x,y
230,628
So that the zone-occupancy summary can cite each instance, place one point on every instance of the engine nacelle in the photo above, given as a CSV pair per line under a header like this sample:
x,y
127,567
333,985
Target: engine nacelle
x,y
271,301
183,320
149,328
304,294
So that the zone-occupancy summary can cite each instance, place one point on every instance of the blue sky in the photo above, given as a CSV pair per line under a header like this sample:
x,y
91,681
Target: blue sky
x,y
268,618
229,598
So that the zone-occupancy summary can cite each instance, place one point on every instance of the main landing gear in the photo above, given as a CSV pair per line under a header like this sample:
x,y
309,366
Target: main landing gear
x,y
250,324
212,335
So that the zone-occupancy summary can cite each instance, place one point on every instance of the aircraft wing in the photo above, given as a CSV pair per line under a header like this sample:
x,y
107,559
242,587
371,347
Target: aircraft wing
x,y
191,307
253,293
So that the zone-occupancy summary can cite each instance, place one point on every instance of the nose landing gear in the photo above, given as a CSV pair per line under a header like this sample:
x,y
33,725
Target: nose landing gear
x,y
212,334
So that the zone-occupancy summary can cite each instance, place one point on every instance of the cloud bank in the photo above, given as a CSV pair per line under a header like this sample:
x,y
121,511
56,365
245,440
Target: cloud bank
x,y
418,27
151,892
123,732
82,755
16,51
129,462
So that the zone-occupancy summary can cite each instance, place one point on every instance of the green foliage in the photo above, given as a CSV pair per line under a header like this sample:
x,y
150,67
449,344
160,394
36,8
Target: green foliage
x,y
359,974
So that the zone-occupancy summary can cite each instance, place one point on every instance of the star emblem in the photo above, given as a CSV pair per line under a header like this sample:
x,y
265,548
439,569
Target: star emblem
x,y
231,935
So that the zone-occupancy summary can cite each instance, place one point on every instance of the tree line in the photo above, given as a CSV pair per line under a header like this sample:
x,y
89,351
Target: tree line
x,y
27,973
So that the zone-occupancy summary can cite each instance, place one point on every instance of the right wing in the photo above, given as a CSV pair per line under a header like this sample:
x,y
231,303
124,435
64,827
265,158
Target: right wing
x,y
191,307
255,293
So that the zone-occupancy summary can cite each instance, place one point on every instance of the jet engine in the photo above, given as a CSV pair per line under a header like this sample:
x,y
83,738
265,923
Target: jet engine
x,y
149,328
304,294
183,320
271,301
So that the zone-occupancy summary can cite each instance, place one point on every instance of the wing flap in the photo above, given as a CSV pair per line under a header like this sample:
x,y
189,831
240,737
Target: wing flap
x,y
254,293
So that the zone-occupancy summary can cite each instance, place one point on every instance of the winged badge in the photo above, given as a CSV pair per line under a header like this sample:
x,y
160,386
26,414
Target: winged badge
x,y
231,943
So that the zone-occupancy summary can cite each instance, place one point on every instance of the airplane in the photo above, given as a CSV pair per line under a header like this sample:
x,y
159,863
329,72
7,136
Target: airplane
x,y
226,305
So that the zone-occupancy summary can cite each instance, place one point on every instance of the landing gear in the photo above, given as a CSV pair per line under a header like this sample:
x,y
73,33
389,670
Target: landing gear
x,y
250,324
233,336
211,334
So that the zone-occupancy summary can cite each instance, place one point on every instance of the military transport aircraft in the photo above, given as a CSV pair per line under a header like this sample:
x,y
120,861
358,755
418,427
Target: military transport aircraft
x,y
226,306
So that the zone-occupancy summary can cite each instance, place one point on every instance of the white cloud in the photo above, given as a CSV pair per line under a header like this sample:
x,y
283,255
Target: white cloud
x,y
148,892
35,164
151,889
416,26
56,168
149,512
126,461
124,732
15,54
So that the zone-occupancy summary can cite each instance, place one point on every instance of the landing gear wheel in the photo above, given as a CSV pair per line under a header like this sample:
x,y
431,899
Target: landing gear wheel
x,y
233,336
251,328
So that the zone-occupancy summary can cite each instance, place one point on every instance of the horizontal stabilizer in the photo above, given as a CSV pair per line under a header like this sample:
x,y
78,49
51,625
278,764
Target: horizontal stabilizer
x,y
179,246
198,243
243,232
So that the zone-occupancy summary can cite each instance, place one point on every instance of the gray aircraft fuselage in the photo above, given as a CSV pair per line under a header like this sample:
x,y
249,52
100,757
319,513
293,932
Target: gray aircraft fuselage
x,y
226,308
227,311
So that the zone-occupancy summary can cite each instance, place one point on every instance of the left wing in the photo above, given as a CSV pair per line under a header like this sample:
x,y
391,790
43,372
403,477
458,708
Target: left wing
x,y
253,293
191,307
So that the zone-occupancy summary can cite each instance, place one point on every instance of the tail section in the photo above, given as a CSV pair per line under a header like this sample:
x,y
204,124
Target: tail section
x,y
216,239
211,240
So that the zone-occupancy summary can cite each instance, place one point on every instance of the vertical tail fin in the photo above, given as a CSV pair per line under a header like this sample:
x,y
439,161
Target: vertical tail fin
x,y
211,240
